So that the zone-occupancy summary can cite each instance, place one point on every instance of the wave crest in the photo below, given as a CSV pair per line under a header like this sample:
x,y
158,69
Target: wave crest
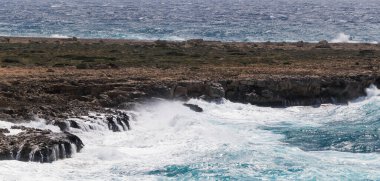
x,y
343,38
58,36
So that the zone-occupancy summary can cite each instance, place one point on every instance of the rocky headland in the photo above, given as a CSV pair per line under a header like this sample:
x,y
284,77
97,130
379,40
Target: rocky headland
x,y
60,79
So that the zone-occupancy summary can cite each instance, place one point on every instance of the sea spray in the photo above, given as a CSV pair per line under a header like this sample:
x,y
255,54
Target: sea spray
x,y
343,38
226,141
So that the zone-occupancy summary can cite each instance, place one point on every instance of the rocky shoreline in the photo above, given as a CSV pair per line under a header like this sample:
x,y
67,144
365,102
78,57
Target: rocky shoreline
x,y
53,99
61,79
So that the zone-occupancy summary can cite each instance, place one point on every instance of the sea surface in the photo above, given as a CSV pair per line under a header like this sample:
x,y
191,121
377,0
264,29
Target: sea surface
x,y
228,141
222,20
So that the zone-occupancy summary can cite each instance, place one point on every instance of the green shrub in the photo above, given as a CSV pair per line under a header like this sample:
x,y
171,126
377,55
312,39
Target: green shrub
x,y
82,66
11,60
59,65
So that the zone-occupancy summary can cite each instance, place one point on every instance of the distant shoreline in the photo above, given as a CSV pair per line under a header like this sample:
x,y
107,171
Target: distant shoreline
x,y
26,39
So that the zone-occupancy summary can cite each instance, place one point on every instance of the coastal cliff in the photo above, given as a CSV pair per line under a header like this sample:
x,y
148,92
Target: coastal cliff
x,y
55,99
58,79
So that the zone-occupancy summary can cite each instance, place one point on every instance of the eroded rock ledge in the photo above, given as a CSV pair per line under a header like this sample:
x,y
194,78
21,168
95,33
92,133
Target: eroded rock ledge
x,y
281,91
60,100
45,146
38,145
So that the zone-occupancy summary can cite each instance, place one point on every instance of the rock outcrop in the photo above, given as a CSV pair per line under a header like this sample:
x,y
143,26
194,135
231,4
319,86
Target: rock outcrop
x,y
323,44
115,121
214,91
4,130
39,145
59,101
4,40
194,107
118,122
46,146
281,91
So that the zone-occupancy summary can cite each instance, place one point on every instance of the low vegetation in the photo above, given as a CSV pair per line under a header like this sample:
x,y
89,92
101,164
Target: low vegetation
x,y
88,54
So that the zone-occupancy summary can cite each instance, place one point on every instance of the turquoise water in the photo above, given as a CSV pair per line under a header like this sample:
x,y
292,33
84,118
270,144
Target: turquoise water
x,y
226,20
358,134
228,141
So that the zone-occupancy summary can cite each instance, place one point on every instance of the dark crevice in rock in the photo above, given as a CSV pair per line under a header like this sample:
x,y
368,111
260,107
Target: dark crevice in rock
x,y
118,122
112,124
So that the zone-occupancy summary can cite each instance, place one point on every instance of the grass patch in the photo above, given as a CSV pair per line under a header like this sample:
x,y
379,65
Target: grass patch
x,y
82,66
12,60
86,58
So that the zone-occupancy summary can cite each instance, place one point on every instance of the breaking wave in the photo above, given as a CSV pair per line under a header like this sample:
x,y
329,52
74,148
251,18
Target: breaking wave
x,y
228,141
343,38
58,36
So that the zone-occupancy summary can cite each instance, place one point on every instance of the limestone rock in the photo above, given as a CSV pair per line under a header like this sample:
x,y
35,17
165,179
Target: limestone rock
x,y
39,145
194,107
180,91
215,91
323,44
4,130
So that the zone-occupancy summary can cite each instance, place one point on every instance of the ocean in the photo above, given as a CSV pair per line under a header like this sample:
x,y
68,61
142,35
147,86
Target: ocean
x,y
228,141
220,20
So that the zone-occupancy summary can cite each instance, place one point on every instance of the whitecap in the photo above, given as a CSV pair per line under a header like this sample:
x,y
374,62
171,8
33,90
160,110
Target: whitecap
x,y
56,6
175,38
58,36
343,38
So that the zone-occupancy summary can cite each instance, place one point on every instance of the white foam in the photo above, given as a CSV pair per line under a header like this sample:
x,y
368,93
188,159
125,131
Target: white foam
x,y
38,124
372,91
343,38
59,36
223,136
175,38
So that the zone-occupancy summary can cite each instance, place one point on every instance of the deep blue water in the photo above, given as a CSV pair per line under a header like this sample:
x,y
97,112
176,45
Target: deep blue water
x,y
226,20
